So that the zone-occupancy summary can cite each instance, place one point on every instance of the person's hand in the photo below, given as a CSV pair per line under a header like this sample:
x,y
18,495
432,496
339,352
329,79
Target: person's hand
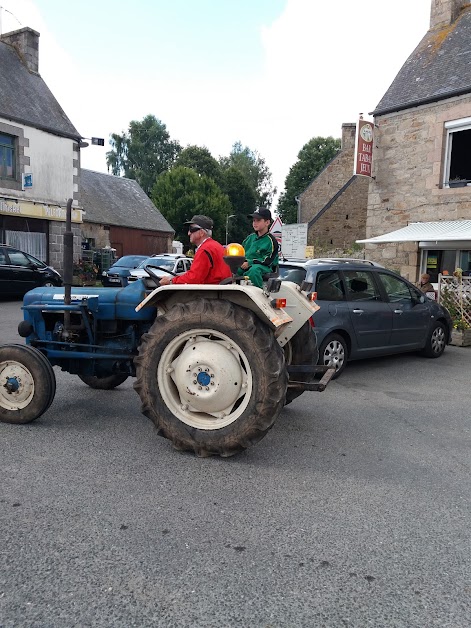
x,y
165,280
245,265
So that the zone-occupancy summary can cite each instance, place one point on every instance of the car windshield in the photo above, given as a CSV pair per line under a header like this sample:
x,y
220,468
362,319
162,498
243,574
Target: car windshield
x,y
129,261
292,273
163,262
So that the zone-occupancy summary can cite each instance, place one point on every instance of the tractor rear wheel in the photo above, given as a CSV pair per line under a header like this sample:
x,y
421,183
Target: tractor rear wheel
x,y
211,376
104,383
301,349
27,383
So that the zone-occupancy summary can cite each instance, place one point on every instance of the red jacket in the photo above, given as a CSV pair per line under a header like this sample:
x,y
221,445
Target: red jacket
x,y
208,265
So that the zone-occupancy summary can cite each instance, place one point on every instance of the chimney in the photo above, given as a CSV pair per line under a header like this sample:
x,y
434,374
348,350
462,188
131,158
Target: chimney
x,y
26,43
349,130
444,12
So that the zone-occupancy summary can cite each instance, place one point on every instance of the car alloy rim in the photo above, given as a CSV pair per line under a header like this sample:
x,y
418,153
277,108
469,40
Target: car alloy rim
x,y
334,354
205,379
16,385
438,339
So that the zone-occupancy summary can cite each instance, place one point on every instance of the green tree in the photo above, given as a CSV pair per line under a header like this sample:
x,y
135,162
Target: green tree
x,y
181,193
143,152
255,170
243,201
200,159
311,160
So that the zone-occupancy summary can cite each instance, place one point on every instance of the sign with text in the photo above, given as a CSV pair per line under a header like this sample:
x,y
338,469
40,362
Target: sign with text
x,y
29,209
364,149
294,239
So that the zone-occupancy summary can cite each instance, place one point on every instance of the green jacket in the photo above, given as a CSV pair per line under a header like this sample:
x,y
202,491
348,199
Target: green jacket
x,y
261,250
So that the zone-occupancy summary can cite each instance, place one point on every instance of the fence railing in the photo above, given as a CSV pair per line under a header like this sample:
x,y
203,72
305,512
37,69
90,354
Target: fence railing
x,y
454,292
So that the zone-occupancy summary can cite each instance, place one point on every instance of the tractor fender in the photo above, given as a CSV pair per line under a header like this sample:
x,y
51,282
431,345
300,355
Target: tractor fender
x,y
285,322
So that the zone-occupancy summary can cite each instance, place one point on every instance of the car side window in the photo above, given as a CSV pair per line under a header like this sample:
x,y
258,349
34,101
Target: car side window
x,y
188,264
3,257
329,286
180,267
361,286
396,289
35,261
17,258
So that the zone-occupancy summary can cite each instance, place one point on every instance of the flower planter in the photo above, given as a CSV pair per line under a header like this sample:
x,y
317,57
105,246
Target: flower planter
x,y
461,337
457,184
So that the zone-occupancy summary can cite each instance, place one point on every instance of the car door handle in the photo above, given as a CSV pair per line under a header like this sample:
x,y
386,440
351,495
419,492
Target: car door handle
x,y
398,311
358,311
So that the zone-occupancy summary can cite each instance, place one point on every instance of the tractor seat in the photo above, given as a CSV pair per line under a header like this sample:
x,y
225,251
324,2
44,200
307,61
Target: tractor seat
x,y
272,275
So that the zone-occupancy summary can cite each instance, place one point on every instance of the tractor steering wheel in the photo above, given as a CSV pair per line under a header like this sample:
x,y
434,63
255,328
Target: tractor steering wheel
x,y
155,277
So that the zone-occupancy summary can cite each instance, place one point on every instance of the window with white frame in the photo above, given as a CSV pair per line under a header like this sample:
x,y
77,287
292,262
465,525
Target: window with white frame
x,y
457,166
7,156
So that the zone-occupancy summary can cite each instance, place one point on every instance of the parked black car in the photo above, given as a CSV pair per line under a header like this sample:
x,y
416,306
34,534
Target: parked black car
x,y
20,272
117,275
368,311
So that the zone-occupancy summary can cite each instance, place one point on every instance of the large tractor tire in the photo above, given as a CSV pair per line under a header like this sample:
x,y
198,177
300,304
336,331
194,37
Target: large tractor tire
x,y
27,384
301,349
104,383
211,377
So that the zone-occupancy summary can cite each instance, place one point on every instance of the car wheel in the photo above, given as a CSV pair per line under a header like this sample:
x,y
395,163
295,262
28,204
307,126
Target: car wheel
x,y
48,284
334,353
436,341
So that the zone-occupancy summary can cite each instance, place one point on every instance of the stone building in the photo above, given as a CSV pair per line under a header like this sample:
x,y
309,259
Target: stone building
x,y
39,155
334,204
40,170
421,160
119,214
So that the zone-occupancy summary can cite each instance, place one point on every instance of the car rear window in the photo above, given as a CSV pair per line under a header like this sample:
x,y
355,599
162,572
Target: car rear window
x,y
291,273
129,261
329,286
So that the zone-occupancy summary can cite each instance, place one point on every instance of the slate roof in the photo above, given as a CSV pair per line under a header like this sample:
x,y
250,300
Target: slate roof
x,y
25,97
110,200
439,68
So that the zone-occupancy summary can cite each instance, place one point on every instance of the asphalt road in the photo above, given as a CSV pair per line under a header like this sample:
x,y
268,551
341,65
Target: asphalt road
x,y
353,511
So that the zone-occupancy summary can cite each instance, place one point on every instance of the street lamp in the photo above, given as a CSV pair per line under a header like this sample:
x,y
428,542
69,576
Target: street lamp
x,y
227,223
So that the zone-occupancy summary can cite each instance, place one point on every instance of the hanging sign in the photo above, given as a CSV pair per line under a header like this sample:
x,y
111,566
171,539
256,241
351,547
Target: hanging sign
x,y
364,149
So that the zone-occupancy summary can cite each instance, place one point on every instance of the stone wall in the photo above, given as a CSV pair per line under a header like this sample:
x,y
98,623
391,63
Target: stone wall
x,y
56,244
408,169
98,233
344,221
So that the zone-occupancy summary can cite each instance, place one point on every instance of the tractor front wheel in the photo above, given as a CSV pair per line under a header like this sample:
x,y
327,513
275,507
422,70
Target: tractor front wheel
x,y
27,384
211,376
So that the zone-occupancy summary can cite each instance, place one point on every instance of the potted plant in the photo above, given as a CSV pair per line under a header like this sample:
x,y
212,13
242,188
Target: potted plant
x,y
457,182
84,273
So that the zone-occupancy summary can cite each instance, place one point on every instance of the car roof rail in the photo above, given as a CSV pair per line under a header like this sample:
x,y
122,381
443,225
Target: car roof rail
x,y
343,260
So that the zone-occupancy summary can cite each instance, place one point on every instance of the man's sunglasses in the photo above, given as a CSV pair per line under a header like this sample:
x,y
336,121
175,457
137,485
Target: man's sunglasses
x,y
194,229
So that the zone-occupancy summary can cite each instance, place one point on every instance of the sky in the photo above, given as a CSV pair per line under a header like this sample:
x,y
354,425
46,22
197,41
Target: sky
x,y
271,74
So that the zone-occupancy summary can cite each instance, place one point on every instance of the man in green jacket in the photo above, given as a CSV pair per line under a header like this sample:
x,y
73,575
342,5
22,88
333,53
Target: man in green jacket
x,y
261,248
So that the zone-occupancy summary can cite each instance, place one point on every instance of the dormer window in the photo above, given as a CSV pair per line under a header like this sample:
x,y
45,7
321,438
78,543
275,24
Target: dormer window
x,y
457,166
7,156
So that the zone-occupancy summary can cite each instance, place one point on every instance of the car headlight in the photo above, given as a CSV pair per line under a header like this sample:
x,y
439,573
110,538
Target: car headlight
x,y
104,274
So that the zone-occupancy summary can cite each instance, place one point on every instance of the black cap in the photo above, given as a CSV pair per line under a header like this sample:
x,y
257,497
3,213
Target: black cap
x,y
201,221
261,212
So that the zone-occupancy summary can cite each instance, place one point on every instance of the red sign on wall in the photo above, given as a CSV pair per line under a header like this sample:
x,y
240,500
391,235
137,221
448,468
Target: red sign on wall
x,y
364,149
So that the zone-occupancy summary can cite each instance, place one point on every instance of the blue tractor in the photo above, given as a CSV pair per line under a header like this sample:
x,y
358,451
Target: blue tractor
x,y
213,365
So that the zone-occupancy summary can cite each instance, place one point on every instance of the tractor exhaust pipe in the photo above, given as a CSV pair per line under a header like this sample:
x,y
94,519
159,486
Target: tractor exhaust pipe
x,y
68,263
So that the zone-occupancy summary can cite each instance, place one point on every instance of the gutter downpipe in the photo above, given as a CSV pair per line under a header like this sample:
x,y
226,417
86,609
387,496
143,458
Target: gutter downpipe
x,y
298,201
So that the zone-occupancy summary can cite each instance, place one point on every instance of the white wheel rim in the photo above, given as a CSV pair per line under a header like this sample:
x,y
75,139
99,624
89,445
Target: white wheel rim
x,y
205,379
16,385
334,355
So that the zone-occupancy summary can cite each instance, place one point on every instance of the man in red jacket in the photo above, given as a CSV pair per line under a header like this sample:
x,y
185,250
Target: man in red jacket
x,y
208,265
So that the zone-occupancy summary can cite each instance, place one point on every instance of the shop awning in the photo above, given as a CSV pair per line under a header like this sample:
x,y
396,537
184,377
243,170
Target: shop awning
x,y
440,231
